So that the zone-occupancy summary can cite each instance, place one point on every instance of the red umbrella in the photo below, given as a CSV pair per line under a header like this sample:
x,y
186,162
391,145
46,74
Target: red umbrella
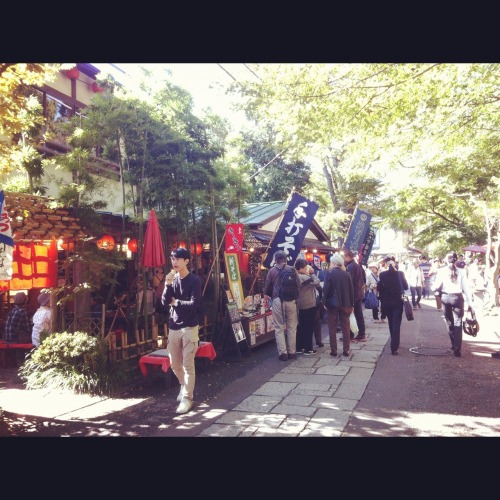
x,y
153,254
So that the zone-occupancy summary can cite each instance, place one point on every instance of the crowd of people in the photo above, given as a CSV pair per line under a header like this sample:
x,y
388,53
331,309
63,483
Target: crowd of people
x,y
336,293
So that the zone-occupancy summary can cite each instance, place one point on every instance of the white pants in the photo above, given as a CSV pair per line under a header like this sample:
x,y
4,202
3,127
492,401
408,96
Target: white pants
x,y
182,346
285,321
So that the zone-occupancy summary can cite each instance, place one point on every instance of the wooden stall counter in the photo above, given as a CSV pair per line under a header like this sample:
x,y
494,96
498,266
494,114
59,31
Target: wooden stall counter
x,y
258,328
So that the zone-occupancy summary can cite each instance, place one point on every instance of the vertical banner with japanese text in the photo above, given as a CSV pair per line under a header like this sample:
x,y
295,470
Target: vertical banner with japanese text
x,y
6,241
358,230
234,238
296,221
234,278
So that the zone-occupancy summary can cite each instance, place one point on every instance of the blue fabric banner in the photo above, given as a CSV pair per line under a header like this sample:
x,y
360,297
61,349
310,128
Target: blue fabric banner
x,y
296,221
358,230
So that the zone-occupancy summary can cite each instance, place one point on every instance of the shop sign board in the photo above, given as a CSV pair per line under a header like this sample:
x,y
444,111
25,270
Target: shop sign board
x,y
297,219
234,278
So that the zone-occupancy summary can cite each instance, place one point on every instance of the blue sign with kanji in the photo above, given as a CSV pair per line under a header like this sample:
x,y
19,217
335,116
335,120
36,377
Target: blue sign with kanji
x,y
296,221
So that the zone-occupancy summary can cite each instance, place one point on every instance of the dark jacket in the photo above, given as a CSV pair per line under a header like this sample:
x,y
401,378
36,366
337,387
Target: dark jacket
x,y
389,287
17,325
340,281
358,279
188,291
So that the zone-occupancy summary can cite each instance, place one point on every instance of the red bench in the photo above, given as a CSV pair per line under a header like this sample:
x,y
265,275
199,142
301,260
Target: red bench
x,y
160,358
8,352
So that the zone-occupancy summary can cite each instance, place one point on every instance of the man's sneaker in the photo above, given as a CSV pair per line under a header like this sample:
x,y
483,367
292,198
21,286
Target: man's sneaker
x,y
283,357
185,406
357,338
320,344
180,396
292,356
309,353
299,351
495,354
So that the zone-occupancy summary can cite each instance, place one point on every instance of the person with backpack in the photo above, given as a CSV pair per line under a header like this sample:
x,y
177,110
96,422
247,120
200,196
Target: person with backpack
x,y
282,286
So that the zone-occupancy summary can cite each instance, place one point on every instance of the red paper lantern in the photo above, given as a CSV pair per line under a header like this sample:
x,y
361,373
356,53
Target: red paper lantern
x,y
96,88
132,245
198,248
67,245
73,73
107,242
309,256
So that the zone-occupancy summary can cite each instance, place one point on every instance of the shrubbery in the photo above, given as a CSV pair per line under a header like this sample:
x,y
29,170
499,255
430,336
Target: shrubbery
x,y
75,361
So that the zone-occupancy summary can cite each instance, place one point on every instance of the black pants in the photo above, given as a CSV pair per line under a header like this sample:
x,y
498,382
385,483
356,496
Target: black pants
x,y
453,313
416,290
305,329
394,311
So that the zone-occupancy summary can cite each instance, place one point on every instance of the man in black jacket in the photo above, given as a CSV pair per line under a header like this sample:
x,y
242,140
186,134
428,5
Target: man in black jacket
x,y
338,298
183,294
358,282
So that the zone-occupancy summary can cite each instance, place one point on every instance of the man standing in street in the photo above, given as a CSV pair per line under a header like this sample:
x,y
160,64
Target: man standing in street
x,y
183,294
358,282
285,316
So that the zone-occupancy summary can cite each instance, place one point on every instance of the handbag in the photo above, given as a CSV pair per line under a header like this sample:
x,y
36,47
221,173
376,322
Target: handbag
x,y
353,323
371,300
408,309
469,323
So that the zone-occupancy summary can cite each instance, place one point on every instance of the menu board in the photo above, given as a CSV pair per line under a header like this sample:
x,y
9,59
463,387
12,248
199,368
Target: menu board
x,y
234,314
233,311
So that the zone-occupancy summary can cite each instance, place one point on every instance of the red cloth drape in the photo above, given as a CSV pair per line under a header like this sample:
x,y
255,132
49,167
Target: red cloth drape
x,y
34,265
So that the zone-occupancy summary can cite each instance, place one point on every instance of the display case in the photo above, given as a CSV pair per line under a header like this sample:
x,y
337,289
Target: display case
x,y
258,329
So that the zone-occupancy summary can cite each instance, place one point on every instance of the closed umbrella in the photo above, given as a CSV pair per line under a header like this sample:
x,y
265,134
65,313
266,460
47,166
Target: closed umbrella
x,y
153,254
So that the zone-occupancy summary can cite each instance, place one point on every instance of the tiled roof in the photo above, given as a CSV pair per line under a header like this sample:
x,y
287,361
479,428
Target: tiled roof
x,y
37,218
261,213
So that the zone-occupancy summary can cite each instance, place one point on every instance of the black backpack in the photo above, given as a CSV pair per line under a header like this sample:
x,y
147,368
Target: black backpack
x,y
287,287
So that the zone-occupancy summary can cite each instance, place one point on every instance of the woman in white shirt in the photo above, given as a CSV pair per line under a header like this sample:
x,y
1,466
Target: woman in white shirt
x,y
42,320
452,283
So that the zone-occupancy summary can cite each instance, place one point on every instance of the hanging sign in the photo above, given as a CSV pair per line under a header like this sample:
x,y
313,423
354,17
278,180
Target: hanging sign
x,y
295,223
358,230
234,278
6,241
234,238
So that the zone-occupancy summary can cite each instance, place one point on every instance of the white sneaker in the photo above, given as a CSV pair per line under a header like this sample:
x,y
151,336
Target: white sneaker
x,y
185,406
180,396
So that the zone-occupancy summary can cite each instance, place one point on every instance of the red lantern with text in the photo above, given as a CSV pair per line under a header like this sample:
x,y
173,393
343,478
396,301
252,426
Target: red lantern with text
x,y
73,73
132,245
107,242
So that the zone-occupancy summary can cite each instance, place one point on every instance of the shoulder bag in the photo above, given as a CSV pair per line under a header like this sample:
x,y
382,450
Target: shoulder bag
x,y
371,300
406,303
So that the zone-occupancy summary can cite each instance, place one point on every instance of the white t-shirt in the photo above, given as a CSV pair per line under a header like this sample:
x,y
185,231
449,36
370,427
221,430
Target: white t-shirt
x,y
443,280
